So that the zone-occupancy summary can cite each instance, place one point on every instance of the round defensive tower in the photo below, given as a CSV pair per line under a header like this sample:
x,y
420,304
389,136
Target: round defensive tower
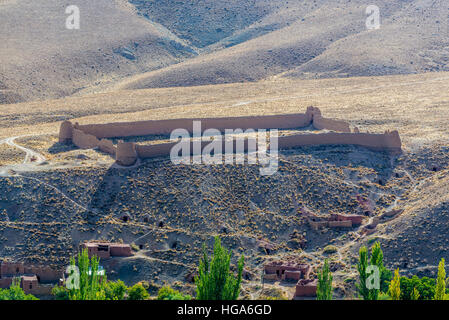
x,y
313,112
66,132
126,154
393,141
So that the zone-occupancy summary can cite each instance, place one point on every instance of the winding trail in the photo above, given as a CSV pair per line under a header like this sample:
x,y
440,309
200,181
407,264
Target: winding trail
x,y
31,160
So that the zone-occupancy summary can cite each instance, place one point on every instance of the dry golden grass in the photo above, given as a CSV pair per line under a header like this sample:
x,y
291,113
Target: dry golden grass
x,y
416,105
10,155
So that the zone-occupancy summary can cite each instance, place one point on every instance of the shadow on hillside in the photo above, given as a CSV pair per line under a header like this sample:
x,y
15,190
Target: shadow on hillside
x,y
346,156
61,147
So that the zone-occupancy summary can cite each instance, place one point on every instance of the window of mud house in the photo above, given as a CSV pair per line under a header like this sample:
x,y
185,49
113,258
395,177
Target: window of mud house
x,y
103,247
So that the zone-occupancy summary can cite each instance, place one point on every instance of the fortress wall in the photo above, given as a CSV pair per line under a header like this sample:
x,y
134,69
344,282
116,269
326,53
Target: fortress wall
x,y
321,123
154,151
385,141
87,136
107,146
388,142
141,128
164,149
83,140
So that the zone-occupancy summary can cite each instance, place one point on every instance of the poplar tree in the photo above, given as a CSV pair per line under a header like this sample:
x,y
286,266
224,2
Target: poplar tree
x,y
215,280
361,268
415,294
395,287
384,274
324,288
91,285
440,288
377,257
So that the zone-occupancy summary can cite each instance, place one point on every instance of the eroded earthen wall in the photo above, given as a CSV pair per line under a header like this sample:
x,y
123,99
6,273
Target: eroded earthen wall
x,y
45,274
5,283
107,146
321,123
142,128
164,149
387,141
120,250
83,140
87,136
11,268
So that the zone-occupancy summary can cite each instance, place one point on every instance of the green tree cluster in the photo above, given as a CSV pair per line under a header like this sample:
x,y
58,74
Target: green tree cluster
x,y
424,286
215,280
94,286
376,260
138,292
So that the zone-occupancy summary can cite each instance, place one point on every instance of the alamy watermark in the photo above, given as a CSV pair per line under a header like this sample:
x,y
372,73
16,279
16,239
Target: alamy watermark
x,y
73,20
373,19
373,280
211,147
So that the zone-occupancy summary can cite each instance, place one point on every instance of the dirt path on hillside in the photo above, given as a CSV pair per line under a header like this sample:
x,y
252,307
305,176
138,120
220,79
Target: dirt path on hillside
x,y
31,161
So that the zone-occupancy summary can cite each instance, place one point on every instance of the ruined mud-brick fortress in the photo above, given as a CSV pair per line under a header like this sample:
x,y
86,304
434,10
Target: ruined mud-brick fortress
x,y
336,132
126,153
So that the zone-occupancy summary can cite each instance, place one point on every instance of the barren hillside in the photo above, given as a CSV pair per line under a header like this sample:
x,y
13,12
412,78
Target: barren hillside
x,y
143,44
165,59
318,40
40,58
47,208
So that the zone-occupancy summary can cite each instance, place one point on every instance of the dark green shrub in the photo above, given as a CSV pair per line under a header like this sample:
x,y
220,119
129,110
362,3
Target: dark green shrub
x,y
168,293
137,292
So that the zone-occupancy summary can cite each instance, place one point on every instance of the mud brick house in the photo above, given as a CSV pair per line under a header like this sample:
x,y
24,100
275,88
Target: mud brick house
x,y
105,250
306,288
37,280
285,271
335,221
29,283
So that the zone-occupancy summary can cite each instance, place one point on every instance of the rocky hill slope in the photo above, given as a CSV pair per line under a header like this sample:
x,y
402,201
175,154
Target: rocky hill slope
x,y
143,44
